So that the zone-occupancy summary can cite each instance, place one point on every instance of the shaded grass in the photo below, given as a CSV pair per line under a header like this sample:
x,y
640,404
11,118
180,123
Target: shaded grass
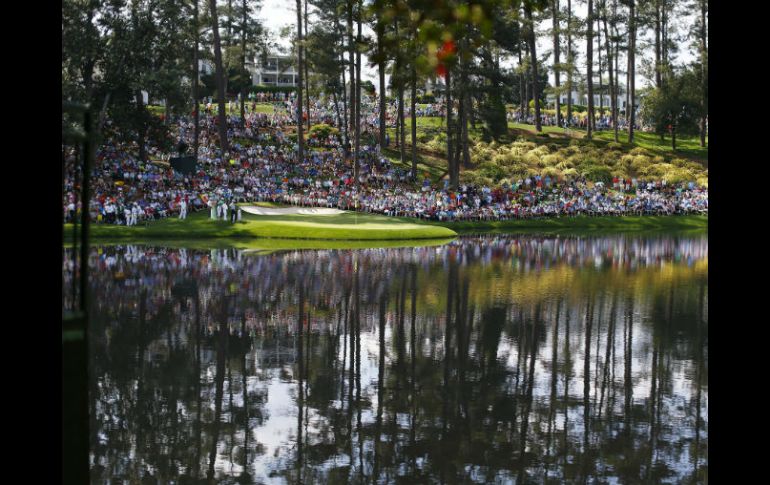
x,y
687,146
530,130
435,167
585,224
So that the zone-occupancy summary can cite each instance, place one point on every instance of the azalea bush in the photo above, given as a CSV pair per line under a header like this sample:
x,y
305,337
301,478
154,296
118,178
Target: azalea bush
x,y
495,163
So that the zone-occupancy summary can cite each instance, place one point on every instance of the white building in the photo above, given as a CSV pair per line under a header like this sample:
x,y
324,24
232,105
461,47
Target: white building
x,y
581,98
274,71
205,67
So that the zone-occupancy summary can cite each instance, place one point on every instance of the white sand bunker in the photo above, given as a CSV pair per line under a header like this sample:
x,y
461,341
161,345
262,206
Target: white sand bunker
x,y
281,211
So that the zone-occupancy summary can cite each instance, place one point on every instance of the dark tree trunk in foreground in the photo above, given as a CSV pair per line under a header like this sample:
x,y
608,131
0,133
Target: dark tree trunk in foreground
x,y
630,114
613,91
352,65
307,78
556,67
533,53
658,81
589,68
381,72
243,62
454,176
300,66
358,92
222,119
703,63
413,102
196,104
617,69
464,107
142,127
401,127
522,89
599,65
673,137
345,125
569,61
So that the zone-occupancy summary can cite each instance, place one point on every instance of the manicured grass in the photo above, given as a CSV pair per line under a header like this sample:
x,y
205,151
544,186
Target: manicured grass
x,y
686,147
435,167
530,129
355,231
585,224
265,108
346,226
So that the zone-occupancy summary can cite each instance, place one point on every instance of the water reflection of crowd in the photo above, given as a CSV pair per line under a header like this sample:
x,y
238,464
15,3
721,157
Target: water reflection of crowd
x,y
123,271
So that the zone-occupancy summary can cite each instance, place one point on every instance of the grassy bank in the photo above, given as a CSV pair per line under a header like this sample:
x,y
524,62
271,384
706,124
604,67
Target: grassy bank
x,y
431,141
584,224
347,226
352,230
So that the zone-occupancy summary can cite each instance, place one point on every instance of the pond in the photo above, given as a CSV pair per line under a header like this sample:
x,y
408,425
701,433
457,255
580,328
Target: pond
x,y
505,359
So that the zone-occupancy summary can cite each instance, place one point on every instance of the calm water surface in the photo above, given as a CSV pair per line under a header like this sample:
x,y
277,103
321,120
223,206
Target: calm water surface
x,y
487,360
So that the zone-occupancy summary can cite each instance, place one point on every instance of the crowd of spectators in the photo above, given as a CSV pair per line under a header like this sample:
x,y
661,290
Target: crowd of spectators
x,y
262,165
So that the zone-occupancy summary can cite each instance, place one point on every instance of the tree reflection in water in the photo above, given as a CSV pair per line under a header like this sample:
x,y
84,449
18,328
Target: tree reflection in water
x,y
504,359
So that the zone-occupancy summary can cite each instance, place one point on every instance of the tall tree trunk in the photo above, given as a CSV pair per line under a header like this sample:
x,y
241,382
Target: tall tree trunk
x,y
300,67
413,103
617,68
307,78
527,84
381,72
460,119
556,66
703,63
589,68
229,23
673,137
345,125
453,175
142,126
657,45
222,121
244,72
401,124
663,35
352,65
463,106
613,92
196,75
570,61
398,119
599,62
358,89
659,50
464,133
472,110
533,52
522,87
336,106
631,69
